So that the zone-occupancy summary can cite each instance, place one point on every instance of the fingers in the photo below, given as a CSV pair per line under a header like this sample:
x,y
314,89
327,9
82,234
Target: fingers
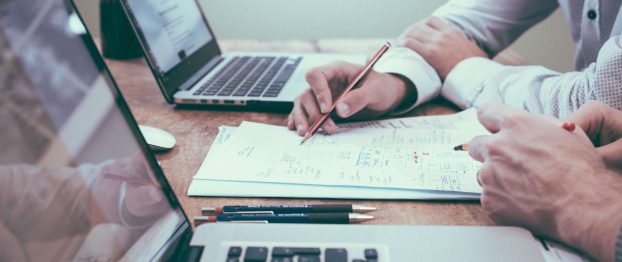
x,y
478,148
495,116
313,112
299,117
612,154
353,102
319,80
589,117
305,113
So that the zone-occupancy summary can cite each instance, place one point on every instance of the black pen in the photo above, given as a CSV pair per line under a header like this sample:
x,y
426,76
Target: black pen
x,y
287,209
314,218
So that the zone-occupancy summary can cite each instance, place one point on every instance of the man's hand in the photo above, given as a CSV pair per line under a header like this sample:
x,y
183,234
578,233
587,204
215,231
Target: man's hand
x,y
537,175
603,125
439,44
378,94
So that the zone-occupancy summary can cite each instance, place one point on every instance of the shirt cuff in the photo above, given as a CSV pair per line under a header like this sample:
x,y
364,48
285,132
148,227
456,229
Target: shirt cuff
x,y
405,62
465,82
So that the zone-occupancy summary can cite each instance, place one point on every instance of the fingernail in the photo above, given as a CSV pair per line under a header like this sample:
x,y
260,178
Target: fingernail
x,y
343,109
300,128
323,107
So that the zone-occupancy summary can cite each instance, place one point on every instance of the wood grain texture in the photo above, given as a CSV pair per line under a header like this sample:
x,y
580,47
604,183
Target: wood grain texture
x,y
195,131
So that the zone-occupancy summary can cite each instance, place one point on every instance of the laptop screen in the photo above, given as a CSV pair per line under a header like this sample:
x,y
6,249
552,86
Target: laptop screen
x,y
175,36
76,182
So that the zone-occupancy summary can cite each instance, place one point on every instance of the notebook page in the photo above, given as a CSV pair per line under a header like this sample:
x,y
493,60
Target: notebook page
x,y
365,157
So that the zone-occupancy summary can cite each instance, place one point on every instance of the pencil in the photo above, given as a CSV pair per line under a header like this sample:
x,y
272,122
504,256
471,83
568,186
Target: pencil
x,y
566,125
358,79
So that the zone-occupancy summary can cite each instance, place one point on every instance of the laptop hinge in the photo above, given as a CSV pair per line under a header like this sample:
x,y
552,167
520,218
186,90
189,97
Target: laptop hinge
x,y
192,254
201,73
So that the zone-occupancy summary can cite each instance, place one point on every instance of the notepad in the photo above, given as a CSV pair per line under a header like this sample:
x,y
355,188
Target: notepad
x,y
399,154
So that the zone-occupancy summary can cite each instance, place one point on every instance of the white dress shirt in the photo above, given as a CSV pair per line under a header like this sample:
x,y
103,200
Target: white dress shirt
x,y
494,25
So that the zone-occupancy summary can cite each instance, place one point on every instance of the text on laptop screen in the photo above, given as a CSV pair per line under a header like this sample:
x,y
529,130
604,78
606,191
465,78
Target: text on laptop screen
x,y
173,29
75,183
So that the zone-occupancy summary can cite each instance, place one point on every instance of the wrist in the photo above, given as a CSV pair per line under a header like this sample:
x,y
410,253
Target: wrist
x,y
593,223
406,92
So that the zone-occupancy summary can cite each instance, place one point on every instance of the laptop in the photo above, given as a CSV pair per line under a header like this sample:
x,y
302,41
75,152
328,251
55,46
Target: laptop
x,y
78,182
190,68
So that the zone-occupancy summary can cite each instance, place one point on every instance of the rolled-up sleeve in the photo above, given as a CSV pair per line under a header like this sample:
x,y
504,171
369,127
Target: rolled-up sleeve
x,y
495,24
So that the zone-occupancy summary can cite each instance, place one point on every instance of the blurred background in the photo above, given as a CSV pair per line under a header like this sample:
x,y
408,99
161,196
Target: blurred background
x,y
547,44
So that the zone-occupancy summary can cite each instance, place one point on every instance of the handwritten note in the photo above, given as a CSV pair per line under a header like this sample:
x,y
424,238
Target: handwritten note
x,y
417,156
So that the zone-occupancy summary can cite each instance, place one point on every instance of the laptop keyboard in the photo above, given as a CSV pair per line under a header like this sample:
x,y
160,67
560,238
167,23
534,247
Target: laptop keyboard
x,y
300,254
263,76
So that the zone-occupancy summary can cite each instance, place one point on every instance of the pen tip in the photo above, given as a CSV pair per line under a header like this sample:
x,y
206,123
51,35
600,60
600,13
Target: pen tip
x,y
304,139
458,148
362,209
358,218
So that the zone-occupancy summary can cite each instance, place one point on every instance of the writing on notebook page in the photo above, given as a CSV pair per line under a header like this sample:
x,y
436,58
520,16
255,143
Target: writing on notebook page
x,y
367,157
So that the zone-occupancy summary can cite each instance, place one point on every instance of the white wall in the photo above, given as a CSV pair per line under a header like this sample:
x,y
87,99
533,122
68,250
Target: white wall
x,y
548,44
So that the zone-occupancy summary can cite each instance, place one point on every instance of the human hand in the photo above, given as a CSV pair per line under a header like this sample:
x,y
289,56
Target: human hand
x,y
439,44
539,176
603,124
132,180
377,94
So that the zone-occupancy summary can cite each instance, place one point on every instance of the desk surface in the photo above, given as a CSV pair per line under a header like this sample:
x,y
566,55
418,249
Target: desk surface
x,y
195,131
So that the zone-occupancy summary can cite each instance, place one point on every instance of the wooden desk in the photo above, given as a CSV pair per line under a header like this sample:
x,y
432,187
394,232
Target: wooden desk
x,y
196,129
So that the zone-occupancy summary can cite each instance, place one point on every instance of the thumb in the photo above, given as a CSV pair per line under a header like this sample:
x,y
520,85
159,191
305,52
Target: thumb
x,y
353,102
612,154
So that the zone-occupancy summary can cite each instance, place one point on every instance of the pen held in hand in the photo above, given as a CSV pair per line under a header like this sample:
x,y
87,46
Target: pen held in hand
x,y
570,127
360,77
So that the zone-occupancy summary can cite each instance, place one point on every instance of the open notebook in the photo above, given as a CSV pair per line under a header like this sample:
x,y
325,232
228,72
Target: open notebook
x,y
406,158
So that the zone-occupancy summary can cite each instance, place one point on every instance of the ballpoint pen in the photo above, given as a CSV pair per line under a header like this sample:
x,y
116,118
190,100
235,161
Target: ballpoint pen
x,y
568,126
312,218
360,77
285,209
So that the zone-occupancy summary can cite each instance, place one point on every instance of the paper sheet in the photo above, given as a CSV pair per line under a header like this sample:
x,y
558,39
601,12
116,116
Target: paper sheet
x,y
410,158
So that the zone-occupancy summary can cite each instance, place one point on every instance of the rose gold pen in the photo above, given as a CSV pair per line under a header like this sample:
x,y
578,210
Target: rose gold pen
x,y
360,77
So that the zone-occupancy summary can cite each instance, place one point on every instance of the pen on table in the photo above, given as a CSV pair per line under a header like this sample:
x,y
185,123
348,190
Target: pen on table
x,y
313,218
360,77
566,125
285,209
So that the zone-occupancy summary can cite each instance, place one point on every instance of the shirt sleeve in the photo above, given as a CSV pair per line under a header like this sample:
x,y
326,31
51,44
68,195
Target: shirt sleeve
x,y
495,24
534,88
407,63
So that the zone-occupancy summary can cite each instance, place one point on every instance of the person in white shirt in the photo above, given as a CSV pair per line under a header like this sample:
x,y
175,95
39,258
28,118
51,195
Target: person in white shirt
x,y
449,54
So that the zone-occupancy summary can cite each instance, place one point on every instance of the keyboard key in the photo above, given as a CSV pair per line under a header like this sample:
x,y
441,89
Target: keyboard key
x,y
235,252
308,259
256,254
335,255
371,253
358,260
282,259
291,251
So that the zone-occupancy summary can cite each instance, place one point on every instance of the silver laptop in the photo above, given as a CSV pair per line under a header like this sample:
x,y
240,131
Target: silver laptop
x,y
190,68
78,182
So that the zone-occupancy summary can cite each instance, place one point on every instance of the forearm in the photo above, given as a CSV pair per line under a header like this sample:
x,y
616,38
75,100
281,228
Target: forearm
x,y
594,223
420,80
494,24
56,197
476,81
